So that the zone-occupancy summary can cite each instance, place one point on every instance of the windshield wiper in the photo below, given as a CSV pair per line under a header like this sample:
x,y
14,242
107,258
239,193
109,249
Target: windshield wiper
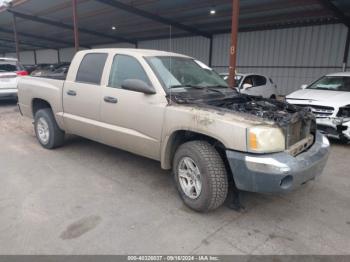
x,y
207,88
217,86
199,87
180,86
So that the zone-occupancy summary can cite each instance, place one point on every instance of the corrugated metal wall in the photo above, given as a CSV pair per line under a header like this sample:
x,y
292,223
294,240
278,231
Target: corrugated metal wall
x,y
66,54
291,57
28,56
115,45
10,55
42,55
197,47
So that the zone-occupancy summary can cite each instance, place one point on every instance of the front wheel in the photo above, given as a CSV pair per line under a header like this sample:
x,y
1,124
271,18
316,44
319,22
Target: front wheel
x,y
200,176
46,129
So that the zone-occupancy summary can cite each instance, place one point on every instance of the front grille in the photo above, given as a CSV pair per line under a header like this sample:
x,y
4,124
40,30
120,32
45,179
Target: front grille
x,y
320,111
301,146
327,130
297,131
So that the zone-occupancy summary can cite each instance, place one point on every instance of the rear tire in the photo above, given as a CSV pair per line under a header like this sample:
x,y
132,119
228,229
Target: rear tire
x,y
212,176
46,129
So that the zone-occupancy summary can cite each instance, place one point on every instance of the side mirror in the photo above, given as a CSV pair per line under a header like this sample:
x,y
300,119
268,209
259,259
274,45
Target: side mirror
x,y
247,86
303,87
138,86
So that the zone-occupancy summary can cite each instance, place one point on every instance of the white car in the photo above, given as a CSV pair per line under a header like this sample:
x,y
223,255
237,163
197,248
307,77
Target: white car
x,y
329,100
10,69
254,84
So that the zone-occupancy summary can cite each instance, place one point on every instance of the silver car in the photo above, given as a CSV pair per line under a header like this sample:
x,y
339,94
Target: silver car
x,y
254,84
10,70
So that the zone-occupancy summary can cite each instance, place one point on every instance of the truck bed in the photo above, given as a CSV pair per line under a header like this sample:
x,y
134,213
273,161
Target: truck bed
x,y
57,77
45,88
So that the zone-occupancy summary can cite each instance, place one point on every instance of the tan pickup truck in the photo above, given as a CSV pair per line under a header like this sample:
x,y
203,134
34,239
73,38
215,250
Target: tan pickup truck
x,y
175,109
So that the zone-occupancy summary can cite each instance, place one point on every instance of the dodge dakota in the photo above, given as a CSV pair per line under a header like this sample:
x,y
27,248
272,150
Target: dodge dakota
x,y
175,109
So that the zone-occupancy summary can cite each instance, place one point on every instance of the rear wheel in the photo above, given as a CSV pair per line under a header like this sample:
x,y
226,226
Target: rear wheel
x,y
200,176
46,129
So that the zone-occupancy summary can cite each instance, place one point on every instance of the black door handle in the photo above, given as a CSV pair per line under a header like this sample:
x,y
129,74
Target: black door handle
x,y
110,99
71,93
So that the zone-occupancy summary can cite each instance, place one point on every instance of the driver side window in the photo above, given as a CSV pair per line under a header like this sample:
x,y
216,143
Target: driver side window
x,y
248,80
126,67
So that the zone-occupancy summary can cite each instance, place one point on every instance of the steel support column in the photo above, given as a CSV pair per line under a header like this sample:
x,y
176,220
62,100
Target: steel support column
x,y
234,37
58,56
35,59
341,15
346,51
75,23
211,52
15,36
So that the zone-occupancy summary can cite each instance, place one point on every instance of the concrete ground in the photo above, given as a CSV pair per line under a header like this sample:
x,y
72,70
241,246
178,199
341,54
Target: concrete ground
x,y
87,198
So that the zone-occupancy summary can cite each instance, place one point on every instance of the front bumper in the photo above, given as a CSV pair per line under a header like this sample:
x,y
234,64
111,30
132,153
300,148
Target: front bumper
x,y
8,93
278,172
334,127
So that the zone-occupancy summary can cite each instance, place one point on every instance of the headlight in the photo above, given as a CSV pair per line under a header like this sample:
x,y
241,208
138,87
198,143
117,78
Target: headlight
x,y
265,139
344,112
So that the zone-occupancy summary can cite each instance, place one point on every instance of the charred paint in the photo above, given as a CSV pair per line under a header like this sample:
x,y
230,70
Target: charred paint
x,y
281,113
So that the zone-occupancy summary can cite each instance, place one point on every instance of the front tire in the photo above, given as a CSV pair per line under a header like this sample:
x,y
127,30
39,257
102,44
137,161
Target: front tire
x,y
46,129
200,176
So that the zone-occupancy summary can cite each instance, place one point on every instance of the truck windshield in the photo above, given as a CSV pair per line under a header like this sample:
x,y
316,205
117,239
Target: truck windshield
x,y
179,72
332,83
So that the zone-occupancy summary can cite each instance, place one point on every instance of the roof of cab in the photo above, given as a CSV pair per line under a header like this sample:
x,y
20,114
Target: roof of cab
x,y
134,51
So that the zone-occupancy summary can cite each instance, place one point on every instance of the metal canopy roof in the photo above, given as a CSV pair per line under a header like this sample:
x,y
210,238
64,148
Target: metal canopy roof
x,y
49,23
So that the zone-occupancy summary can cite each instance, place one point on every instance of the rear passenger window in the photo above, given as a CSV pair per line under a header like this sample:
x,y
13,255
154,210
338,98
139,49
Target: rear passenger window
x,y
259,80
91,68
126,67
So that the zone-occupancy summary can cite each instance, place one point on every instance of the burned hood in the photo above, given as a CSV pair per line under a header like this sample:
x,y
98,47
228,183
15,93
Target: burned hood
x,y
281,113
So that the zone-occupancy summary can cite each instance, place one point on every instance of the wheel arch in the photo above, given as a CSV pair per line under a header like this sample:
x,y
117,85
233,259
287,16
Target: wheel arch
x,y
178,137
39,103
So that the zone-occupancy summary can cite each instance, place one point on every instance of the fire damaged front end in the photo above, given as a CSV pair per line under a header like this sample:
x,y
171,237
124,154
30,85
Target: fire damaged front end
x,y
278,172
284,150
